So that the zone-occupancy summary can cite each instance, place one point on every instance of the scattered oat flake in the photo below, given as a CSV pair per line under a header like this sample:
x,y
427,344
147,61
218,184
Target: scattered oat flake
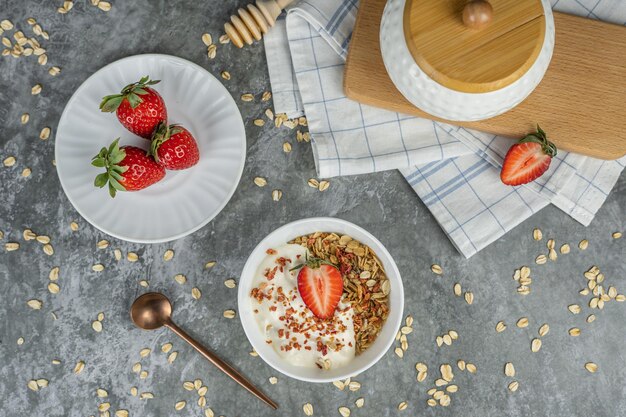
x,y
308,409
54,71
180,405
247,97
564,249
259,122
323,186
36,89
20,341
121,413
168,255
535,345
500,327
583,244
132,257
207,39
286,145
230,283
97,326
344,411
212,51
25,118
457,289
509,369
403,405
260,181
145,352
522,322
471,368
537,235
9,161
226,75
230,314
11,246
102,393
469,297
398,351
210,264
105,6
32,384
436,269
26,172
513,386
102,244
273,380
277,195
180,278
574,331
73,226
97,268
80,365
543,330
266,96
195,293
591,367
35,304
616,235
224,39
172,357
146,395
574,308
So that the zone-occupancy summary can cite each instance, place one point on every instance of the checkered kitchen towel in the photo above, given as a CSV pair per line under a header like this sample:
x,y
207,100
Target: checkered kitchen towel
x,y
455,171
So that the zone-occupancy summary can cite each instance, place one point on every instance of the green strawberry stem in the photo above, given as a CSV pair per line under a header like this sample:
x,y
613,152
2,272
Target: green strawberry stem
x,y
541,138
131,92
162,133
110,159
313,263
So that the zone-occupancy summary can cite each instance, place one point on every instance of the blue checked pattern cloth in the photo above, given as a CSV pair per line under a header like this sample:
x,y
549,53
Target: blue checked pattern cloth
x,y
455,171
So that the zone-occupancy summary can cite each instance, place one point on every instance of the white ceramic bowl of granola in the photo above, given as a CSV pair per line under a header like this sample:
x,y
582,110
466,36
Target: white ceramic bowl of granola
x,y
360,362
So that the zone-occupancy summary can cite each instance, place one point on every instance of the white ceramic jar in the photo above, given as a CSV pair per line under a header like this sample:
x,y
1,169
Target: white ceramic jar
x,y
444,102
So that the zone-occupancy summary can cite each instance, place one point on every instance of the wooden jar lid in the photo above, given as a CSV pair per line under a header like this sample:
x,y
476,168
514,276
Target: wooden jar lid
x,y
467,58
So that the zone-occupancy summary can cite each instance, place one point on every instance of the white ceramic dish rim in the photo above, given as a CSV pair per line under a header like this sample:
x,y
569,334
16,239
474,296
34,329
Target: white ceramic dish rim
x,y
200,225
284,234
446,103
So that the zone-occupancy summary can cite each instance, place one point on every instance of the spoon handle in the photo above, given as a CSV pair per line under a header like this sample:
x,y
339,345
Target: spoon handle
x,y
221,365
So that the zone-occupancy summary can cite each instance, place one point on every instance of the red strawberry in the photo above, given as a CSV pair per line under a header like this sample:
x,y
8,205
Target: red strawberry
x,y
138,107
320,285
128,168
528,159
174,147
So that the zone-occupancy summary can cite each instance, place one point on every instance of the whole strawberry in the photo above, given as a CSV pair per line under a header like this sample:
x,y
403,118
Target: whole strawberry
x,y
174,147
528,159
128,168
138,107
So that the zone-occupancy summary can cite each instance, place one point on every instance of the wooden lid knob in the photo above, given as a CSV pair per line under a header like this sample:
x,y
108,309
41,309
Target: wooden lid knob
x,y
477,14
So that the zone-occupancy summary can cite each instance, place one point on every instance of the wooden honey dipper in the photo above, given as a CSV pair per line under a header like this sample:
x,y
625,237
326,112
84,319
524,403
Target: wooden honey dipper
x,y
253,22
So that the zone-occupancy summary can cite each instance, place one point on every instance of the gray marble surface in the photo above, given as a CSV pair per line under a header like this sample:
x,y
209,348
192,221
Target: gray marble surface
x,y
552,382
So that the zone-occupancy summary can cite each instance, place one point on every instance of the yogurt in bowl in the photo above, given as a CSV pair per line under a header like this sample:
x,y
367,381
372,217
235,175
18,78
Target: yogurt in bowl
x,y
286,332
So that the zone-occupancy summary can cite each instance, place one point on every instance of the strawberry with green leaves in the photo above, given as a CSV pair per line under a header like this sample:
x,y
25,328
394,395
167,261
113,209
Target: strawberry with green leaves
x,y
139,108
174,147
528,159
128,168
321,286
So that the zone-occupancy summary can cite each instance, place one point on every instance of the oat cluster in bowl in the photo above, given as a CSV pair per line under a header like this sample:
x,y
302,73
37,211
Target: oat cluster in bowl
x,y
365,284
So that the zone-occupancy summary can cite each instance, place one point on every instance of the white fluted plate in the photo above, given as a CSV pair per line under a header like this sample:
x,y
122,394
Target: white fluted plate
x,y
183,201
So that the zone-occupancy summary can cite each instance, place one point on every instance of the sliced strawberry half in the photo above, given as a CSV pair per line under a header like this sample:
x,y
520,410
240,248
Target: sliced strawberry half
x,y
528,159
320,285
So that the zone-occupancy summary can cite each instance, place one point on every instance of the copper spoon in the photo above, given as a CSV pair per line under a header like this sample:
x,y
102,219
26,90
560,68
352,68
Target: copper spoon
x,y
153,310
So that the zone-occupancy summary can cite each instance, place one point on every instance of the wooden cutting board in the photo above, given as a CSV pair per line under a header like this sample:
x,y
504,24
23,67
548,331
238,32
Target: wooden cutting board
x,y
581,102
